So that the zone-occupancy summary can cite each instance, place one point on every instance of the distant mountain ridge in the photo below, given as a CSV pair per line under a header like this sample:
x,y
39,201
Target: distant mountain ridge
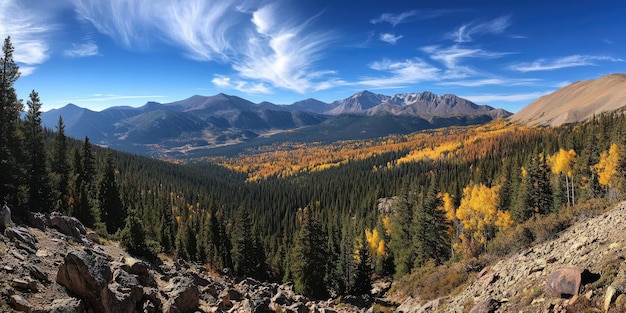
x,y
576,102
201,122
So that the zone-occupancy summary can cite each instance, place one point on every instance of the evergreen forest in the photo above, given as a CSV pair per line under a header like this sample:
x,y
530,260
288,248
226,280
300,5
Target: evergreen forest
x,y
330,226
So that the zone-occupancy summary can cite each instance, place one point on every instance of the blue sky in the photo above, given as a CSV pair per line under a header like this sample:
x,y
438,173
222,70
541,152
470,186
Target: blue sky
x,y
98,54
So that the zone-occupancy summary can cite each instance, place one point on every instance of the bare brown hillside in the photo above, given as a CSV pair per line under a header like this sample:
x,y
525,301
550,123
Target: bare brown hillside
x,y
576,102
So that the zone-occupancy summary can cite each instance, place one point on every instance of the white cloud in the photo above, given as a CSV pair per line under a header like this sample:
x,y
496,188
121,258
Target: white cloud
x,y
110,97
28,26
282,53
490,81
404,17
486,98
390,38
465,32
564,62
82,50
240,85
451,58
394,19
265,48
400,73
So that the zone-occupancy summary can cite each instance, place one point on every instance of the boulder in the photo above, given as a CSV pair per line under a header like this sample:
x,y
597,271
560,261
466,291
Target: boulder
x,y
69,226
36,273
22,235
485,306
20,304
5,217
141,269
565,282
68,305
87,275
182,295
37,220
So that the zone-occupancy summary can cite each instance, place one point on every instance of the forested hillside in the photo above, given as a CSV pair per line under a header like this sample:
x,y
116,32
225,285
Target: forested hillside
x,y
347,212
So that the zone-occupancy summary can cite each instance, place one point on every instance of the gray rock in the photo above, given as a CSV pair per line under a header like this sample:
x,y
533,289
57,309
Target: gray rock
x,y
182,294
36,273
485,306
69,226
22,235
87,275
5,217
20,304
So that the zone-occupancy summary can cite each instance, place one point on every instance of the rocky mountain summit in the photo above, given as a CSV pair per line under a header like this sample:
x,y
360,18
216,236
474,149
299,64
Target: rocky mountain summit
x,y
57,266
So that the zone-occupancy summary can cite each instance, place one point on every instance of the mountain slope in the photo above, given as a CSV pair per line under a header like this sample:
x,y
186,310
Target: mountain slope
x,y
576,102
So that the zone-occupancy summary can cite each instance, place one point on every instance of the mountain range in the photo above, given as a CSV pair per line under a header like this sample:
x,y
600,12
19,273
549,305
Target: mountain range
x,y
200,123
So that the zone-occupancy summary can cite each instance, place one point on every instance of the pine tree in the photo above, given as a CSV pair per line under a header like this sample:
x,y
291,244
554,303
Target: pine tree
x,y
60,169
248,255
401,235
39,190
309,257
82,203
430,239
363,274
112,211
10,150
133,236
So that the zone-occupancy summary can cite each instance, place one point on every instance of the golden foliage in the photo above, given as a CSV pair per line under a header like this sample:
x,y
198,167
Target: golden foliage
x,y
607,167
478,212
561,162
292,158
375,243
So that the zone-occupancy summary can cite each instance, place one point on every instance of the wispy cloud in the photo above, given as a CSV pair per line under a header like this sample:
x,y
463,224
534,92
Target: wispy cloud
x,y
451,58
490,81
28,27
404,17
283,53
82,50
400,73
466,31
390,38
240,85
564,62
265,49
110,97
486,98
199,27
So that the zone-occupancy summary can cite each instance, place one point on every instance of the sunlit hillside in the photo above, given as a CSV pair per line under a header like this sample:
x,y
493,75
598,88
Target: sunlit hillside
x,y
294,158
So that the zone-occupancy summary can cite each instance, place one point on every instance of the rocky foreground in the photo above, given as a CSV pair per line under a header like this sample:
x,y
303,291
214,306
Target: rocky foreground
x,y
582,270
59,267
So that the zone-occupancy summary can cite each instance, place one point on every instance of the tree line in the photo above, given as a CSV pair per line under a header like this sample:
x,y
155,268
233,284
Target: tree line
x,y
328,231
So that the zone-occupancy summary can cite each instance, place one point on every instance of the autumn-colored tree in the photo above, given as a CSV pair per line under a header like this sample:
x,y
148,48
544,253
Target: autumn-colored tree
x,y
561,164
608,169
480,217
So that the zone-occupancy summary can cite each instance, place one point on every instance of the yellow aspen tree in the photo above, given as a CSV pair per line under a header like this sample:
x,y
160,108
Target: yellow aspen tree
x,y
607,168
478,214
561,164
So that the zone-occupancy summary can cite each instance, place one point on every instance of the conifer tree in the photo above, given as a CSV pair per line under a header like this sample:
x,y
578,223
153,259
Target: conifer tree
x,y
248,255
133,236
39,190
10,147
83,195
430,239
112,211
401,235
60,169
363,274
309,257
